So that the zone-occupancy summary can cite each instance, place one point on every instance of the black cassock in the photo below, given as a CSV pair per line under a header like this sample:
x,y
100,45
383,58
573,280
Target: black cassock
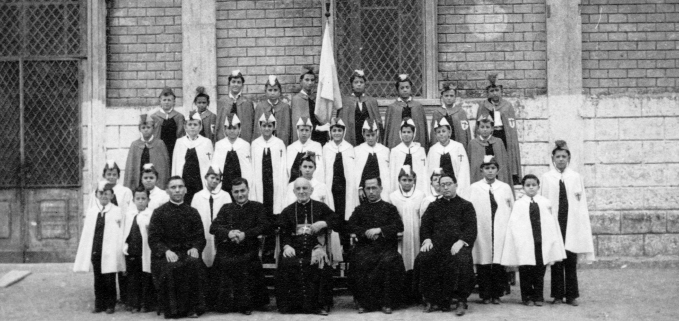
x,y
239,271
301,286
377,271
179,284
191,175
440,275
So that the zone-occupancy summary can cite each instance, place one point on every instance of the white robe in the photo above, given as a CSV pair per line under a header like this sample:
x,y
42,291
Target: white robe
x,y
485,252
143,220
330,151
310,145
157,197
396,159
201,202
458,157
242,149
362,152
123,197
519,246
426,201
322,193
112,259
579,230
278,163
409,208
204,151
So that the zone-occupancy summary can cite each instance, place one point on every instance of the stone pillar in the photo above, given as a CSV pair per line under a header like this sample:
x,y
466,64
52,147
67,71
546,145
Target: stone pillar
x,y
564,76
199,50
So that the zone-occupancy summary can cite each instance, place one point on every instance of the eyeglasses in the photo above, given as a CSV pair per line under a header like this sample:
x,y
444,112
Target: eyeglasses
x,y
447,184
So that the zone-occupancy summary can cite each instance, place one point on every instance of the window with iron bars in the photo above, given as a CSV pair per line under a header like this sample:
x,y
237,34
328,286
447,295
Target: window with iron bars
x,y
384,38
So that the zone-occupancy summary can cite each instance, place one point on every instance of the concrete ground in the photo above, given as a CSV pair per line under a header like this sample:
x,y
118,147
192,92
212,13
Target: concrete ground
x,y
52,292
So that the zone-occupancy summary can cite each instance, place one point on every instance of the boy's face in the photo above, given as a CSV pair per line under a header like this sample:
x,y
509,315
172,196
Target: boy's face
x,y
561,159
407,135
146,131
148,180
267,130
531,187
212,181
485,129
407,183
337,134
489,172
167,103
495,94
236,85
141,200
308,81
448,97
111,175
370,137
435,184
358,85
193,127
105,197
404,89
443,134
232,132
307,169
304,133
272,92
201,103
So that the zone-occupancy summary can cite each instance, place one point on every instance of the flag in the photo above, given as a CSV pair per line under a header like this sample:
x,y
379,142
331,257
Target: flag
x,y
328,96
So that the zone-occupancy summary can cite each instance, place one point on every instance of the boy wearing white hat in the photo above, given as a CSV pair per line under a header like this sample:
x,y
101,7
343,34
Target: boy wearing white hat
x,y
450,156
358,107
232,154
301,147
192,156
405,107
236,104
275,106
372,160
269,164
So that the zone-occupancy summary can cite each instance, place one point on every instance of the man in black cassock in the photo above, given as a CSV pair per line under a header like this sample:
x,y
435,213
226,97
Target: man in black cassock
x,y
304,275
239,268
444,268
377,271
176,239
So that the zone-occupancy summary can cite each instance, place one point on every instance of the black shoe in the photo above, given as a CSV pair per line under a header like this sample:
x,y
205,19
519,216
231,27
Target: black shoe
x,y
557,301
386,310
246,312
361,310
527,303
461,308
428,308
97,310
496,301
323,312
192,315
145,310
573,302
485,301
110,310
445,308
538,303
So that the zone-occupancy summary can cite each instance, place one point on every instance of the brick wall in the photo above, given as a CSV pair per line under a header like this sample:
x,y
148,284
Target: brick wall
x,y
630,46
144,51
632,173
267,37
479,37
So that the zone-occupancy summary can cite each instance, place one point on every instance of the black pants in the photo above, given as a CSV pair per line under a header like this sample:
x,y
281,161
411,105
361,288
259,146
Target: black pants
x,y
532,278
492,279
122,286
104,287
140,289
565,278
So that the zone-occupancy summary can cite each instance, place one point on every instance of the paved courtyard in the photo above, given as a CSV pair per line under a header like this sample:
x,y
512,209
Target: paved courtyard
x,y
52,292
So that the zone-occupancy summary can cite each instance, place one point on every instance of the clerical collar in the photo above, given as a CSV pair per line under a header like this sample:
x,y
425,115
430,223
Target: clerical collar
x,y
146,141
409,99
244,203
175,203
305,203
373,202
271,103
234,97
449,199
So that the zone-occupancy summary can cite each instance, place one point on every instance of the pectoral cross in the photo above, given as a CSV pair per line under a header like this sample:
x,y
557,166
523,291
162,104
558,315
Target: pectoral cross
x,y
209,155
248,157
461,157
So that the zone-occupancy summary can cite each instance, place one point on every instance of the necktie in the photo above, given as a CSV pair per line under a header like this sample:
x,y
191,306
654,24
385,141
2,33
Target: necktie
x,y
406,111
234,108
212,201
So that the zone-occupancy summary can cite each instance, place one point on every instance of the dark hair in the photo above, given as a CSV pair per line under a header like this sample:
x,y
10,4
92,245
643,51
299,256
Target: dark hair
x,y
151,170
379,180
486,120
529,176
200,92
447,174
231,77
140,189
277,84
354,76
558,149
309,71
405,124
308,158
238,181
103,172
174,178
398,81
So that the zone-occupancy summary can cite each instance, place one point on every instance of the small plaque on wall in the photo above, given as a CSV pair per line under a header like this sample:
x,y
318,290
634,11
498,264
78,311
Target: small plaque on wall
x,y
5,220
53,220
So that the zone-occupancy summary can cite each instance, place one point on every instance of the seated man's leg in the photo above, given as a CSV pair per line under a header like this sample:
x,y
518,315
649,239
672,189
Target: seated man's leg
x,y
393,271
428,271
195,278
466,279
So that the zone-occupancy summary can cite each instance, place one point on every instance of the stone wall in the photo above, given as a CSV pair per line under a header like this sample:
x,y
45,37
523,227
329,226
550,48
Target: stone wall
x,y
630,46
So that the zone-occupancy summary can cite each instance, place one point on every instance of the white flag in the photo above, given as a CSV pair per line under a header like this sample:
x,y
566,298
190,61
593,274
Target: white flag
x,y
328,95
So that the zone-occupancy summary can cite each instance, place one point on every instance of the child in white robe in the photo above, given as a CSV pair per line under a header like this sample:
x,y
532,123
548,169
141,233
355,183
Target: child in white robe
x,y
372,160
157,196
450,156
269,164
408,153
299,149
141,296
232,155
191,156
208,202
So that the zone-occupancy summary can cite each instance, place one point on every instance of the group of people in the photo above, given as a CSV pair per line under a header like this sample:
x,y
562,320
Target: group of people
x,y
417,215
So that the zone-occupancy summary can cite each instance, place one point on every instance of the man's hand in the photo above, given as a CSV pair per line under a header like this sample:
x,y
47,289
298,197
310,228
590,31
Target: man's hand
x,y
323,128
193,252
233,236
171,256
426,246
288,251
240,236
361,195
373,233
318,226
125,247
457,247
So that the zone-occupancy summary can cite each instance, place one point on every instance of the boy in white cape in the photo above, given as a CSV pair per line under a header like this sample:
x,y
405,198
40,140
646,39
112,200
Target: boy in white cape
x,y
410,153
372,160
141,296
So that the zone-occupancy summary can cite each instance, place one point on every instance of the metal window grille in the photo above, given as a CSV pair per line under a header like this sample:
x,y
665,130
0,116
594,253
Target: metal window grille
x,y
42,44
382,37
